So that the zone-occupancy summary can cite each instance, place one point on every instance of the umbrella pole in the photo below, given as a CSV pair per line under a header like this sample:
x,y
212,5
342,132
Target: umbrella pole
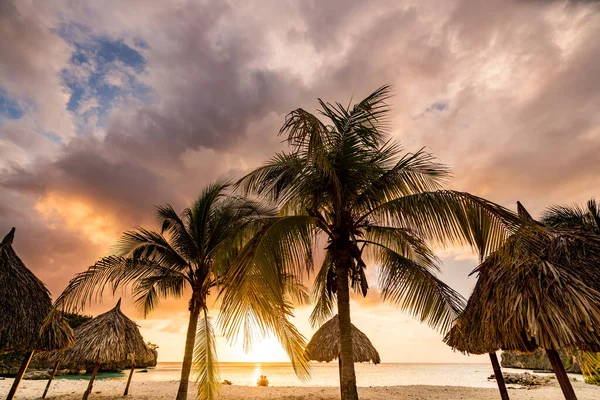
x,y
561,374
22,369
50,380
91,384
340,367
129,379
499,377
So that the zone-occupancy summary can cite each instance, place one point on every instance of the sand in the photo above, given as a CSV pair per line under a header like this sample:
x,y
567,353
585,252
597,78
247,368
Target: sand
x,y
73,389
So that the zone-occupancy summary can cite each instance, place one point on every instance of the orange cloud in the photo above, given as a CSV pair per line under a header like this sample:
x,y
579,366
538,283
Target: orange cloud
x,y
58,210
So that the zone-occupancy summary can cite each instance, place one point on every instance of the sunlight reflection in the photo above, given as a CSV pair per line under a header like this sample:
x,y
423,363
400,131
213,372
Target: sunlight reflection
x,y
256,373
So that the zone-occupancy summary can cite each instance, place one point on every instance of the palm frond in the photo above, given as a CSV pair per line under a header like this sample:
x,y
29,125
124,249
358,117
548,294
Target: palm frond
x,y
109,272
413,173
172,224
415,289
148,290
448,216
282,246
594,213
367,120
205,363
144,244
294,290
402,241
590,366
311,140
573,217
323,294
274,181
306,134
255,308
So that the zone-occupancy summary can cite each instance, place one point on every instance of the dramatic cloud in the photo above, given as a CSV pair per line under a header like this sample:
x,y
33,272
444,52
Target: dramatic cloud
x,y
108,108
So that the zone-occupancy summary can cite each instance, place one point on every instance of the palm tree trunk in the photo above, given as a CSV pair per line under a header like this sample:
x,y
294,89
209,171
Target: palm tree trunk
x,y
499,377
347,375
561,374
50,380
20,373
188,355
87,392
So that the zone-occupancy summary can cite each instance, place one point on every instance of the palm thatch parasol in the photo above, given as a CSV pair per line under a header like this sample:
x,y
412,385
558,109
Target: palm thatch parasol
x,y
541,289
325,344
110,337
27,322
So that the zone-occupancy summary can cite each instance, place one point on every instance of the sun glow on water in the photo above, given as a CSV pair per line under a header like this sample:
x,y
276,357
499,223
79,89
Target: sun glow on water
x,y
257,372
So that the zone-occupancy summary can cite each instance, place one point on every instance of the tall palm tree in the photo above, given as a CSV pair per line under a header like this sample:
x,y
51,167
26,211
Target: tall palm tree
x,y
345,180
195,252
575,216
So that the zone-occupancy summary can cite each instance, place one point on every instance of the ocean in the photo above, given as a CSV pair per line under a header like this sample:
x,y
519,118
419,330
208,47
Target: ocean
x,y
326,374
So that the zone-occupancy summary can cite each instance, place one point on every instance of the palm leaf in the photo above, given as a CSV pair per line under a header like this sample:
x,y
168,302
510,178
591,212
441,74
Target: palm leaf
x,y
112,272
415,289
205,361
172,224
254,310
148,290
323,295
447,216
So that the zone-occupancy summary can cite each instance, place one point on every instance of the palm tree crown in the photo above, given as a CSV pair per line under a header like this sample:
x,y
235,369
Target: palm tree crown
x,y
195,251
348,181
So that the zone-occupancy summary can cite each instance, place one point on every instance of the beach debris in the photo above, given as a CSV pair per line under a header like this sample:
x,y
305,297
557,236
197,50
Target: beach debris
x,y
226,382
525,379
36,375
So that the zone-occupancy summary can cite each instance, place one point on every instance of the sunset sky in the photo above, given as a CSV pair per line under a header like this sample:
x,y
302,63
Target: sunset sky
x,y
108,108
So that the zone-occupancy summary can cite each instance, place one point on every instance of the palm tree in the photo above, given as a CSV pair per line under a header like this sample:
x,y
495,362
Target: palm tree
x,y
348,182
575,216
195,252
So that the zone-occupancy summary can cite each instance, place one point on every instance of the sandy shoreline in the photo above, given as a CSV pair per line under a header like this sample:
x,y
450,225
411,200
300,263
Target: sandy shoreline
x,y
73,389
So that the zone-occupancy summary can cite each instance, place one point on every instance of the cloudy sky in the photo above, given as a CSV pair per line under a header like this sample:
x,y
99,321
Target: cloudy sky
x,y
110,107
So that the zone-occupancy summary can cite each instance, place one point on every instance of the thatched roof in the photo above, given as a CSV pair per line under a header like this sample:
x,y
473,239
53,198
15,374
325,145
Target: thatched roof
x,y
325,344
24,307
541,289
110,337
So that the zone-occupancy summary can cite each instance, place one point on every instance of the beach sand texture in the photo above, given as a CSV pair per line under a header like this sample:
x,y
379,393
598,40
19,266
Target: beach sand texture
x,y
65,389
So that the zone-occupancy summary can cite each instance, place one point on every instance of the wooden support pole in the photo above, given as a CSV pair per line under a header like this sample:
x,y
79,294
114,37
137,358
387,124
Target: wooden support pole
x,y
91,384
561,374
19,377
129,379
340,368
499,377
50,380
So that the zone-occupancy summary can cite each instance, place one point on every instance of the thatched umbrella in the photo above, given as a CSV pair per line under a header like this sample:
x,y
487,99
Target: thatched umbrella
x,y
55,322
541,289
26,321
325,344
108,338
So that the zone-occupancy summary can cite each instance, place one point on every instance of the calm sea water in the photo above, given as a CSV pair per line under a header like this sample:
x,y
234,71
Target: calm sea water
x,y
326,374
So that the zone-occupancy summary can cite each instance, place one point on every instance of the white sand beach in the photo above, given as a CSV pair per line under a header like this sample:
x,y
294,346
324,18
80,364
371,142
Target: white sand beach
x,y
70,389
